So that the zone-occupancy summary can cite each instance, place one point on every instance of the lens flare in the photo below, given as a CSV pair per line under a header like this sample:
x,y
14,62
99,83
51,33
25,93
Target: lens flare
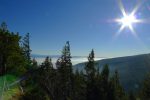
x,y
128,19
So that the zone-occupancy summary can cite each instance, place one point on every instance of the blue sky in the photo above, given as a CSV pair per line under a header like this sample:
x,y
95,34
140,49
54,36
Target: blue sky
x,y
85,23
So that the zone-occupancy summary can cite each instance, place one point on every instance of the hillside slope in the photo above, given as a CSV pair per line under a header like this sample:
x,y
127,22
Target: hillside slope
x,y
132,69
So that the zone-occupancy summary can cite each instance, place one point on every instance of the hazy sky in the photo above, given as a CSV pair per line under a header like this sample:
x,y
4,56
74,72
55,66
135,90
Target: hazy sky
x,y
85,23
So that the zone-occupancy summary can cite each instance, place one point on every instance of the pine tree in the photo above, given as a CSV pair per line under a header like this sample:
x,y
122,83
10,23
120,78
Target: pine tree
x,y
90,67
115,91
26,48
48,63
91,78
11,52
65,74
34,64
145,92
104,82
3,27
3,44
79,86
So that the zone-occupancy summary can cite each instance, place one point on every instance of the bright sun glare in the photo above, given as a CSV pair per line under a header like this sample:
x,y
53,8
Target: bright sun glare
x,y
127,21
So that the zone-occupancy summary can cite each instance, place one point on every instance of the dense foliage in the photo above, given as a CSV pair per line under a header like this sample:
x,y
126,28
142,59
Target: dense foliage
x,y
12,58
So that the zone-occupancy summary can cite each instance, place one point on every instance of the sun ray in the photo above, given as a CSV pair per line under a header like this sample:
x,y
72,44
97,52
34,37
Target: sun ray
x,y
133,32
121,28
119,31
136,7
121,7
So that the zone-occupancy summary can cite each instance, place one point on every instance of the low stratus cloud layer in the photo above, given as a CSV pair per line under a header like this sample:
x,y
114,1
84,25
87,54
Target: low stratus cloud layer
x,y
74,60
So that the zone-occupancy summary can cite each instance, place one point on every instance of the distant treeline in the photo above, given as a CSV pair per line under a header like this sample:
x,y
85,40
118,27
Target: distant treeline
x,y
44,82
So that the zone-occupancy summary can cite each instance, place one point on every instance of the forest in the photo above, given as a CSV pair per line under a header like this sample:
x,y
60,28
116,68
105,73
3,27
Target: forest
x,y
46,82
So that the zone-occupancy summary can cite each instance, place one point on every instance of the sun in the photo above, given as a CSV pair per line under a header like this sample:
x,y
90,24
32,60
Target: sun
x,y
127,21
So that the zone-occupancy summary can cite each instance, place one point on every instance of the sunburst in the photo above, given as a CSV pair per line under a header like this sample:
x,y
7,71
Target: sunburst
x,y
128,20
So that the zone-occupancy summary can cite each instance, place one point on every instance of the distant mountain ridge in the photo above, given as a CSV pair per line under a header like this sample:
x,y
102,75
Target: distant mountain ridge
x,y
132,69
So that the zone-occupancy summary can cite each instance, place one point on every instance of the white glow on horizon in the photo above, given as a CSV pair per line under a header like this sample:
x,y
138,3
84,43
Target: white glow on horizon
x,y
74,60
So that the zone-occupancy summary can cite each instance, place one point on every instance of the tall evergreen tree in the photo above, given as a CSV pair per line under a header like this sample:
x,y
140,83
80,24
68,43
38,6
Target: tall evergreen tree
x,y
91,78
64,67
11,52
3,42
26,47
90,66
115,91
104,82
79,86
